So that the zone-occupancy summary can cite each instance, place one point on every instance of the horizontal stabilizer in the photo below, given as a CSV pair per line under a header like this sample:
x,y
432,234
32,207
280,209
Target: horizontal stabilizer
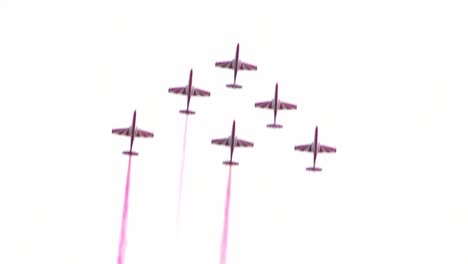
x,y
133,153
314,169
187,112
231,163
275,125
234,86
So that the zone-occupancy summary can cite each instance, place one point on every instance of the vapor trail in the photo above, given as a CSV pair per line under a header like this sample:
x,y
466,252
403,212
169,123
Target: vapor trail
x,y
181,176
224,240
123,230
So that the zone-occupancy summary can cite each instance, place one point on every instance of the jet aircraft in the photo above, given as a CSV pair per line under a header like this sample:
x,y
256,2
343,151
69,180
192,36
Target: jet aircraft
x,y
236,64
232,141
190,91
315,147
132,132
276,105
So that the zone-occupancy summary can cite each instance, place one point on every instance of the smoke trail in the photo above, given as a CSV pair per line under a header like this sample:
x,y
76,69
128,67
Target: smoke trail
x,y
181,176
224,240
123,230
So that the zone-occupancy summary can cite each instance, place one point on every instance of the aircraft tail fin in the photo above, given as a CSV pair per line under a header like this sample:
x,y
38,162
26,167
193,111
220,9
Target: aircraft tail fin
x,y
234,86
187,112
132,153
231,163
314,169
274,125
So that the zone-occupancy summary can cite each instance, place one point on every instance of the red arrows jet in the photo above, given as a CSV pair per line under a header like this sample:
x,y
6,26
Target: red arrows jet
x,y
315,147
132,132
232,141
276,105
189,90
236,65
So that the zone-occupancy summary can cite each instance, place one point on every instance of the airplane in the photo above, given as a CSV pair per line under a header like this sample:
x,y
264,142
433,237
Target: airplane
x,y
189,90
232,141
236,65
276,105
315,147
132,132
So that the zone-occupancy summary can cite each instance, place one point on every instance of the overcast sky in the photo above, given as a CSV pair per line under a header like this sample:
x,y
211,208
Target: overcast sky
x,y
385,82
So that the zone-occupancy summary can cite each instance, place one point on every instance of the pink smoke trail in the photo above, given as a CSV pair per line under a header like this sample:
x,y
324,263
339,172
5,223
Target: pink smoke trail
x,y
181,176
123,230
226,220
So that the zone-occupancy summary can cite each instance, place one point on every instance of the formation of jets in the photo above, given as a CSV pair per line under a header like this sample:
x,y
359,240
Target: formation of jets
x,y
232,141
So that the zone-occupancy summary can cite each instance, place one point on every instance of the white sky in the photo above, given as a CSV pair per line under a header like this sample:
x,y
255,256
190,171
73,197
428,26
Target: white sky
x,y
385,81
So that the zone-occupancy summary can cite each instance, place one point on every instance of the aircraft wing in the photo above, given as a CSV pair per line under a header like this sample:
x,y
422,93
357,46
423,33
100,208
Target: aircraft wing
x,y
266,104
121,131
243,143
178,90
323,148
310,148
200,92
286,106
247,66
143,133
225,142
306,147
225,64
220,141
